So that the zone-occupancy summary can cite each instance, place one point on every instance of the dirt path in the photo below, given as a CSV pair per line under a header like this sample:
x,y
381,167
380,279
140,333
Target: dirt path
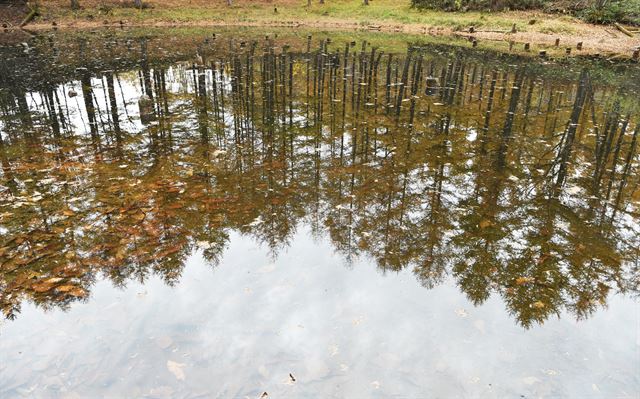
x,y
602,40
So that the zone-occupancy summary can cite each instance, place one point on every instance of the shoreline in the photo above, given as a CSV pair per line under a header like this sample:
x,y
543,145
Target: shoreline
x,y
595,40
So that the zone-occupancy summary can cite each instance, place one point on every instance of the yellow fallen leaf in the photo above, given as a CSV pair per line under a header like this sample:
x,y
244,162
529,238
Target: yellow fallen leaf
x,y
525,280
485,223
77,292
176,369
538,305
42,287
45,285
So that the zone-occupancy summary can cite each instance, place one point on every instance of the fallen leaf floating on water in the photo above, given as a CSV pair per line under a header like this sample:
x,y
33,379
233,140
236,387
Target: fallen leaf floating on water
x,y
461,312
65,288
538,305
485,223
164,342
293,379
524,280
77,292
176,369
46,285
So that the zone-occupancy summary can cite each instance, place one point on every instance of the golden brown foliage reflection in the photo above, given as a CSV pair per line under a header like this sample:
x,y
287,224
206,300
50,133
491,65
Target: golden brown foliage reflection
x,y
506,180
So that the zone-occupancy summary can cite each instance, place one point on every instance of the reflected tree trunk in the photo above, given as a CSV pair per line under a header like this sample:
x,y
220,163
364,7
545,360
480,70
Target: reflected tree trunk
x,y
572,126
87,95
113,105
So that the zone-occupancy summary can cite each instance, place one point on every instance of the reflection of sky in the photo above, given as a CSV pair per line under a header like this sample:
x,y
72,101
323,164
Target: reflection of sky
x,y
241,328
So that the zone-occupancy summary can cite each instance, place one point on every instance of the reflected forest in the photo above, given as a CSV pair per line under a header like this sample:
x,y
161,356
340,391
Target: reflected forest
x,y
510,177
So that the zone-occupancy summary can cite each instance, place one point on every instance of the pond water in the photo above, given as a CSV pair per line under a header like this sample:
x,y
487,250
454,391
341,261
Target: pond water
x,y
220,214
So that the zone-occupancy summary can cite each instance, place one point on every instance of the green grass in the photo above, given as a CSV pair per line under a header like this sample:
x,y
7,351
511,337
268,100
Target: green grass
x,y
388,12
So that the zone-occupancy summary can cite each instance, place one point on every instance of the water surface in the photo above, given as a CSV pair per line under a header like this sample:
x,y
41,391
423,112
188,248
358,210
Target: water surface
x,y
225,215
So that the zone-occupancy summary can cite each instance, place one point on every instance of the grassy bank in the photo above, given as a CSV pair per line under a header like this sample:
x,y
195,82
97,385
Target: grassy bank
x,y
537,28
348,11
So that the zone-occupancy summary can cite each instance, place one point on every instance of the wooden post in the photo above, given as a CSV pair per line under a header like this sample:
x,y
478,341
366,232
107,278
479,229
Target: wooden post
x,y
432,86
510,46
527,46
579,46
568,51
475,43
513,29
543,53
557,42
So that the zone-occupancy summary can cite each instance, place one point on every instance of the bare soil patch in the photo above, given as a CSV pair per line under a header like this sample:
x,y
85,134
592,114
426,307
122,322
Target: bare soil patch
x,y
12,12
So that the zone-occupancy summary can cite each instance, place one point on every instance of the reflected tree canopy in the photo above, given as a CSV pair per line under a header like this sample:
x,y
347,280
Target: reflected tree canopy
x,y
507,178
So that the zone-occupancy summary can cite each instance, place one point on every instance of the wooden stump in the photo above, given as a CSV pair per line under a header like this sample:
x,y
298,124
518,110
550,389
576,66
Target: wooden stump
x,y
432,86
